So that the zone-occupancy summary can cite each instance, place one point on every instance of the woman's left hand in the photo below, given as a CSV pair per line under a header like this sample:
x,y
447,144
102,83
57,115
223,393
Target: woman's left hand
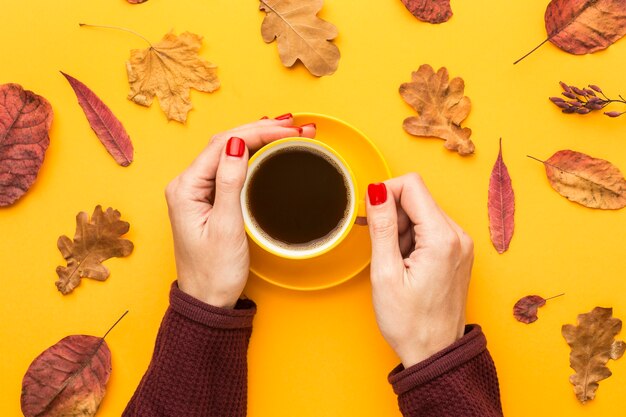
x,y
210,243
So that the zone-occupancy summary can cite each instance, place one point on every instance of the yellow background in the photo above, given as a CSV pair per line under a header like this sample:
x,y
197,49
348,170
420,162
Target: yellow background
x,y
319,353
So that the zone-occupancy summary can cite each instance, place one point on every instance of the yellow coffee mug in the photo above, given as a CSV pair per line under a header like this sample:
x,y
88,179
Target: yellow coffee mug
x,y
356,205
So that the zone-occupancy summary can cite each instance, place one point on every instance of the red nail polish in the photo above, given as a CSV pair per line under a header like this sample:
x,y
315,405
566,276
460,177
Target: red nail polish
x,y
297,127
235,147
264,117
284,116
313,125
377,193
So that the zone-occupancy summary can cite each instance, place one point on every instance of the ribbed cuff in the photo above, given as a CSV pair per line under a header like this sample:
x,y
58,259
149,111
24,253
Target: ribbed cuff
x,y
472,344
221,318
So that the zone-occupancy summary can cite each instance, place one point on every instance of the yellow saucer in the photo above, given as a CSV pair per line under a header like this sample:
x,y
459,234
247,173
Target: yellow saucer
x,y
353,254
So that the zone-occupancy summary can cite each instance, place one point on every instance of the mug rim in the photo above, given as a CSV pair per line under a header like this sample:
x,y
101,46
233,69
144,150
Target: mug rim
x,y
310,253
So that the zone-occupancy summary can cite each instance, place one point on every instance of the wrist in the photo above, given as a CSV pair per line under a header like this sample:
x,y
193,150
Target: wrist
x,y
208,296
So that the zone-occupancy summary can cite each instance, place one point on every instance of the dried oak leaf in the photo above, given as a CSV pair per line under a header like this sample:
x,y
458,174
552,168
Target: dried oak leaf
x,y
67,379
96,240
300,34
501,205
25,120
441,106
431,11
593,343
589,181
168,70
107,127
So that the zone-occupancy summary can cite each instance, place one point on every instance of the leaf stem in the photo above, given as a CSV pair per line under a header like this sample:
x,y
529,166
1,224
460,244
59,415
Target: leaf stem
x,y
555,296
115,324
534,49
536,159
117,28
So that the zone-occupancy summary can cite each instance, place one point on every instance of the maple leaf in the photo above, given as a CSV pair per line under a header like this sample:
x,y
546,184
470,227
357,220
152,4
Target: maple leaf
x,y
501,205
431,11
300,34
593,343
96,240
589,181
441,107
168,70
583,26
25,120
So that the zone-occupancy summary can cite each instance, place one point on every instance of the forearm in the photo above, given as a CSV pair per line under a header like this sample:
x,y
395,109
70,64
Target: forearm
x,y
199,364
459,381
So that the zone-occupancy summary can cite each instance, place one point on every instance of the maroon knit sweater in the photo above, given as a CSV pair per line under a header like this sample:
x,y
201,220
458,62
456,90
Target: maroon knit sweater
x,y
199,369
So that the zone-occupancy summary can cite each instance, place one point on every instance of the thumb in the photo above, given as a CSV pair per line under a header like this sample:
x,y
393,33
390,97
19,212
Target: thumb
x,y
229,179
382,219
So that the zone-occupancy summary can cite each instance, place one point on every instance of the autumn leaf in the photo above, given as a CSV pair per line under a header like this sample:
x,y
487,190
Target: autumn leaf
x,y
525,309
431,11
69,378
589,181
501,205
584,26
107,127
593,343
441,107
25,120
300,34
168,70
137,1
95,241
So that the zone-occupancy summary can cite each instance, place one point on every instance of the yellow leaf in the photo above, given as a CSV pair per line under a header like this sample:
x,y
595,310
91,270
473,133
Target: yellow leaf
x,y
168,70
301,34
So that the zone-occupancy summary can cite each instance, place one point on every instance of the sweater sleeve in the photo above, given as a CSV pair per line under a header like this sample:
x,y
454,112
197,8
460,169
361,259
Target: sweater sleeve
x,y
459,381
199,364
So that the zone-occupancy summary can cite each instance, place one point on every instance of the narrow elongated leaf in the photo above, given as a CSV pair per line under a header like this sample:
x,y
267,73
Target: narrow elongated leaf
x,y
25,120
67,379
431,11
501,205
108,128
589,181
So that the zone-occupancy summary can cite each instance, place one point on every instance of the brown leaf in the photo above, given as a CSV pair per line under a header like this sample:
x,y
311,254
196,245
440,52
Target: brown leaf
x,y
107,127
617,349
301,34
525,310
592,343
501,205
96,240
441,107
137,1
25,120
431,11
589,181
168,70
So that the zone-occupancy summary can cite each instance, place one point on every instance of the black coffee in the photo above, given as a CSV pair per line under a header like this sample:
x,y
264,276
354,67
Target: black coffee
x,y
298,196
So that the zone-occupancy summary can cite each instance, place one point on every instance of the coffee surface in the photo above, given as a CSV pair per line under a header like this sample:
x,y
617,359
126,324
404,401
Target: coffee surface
x,y
297,196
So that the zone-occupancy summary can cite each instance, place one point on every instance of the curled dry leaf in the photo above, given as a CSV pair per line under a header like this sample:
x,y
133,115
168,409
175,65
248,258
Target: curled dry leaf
x,y
589,181
95,241
137,1
300,34
107,127
69,378
525,310
584,26
25,120
168,70
441,106
501,205
593,343
431,11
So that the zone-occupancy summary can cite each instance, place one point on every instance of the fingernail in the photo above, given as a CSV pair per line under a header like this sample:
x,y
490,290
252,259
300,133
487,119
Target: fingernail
x,y
377,193
264,117
235,147
296,127
313,125
284,116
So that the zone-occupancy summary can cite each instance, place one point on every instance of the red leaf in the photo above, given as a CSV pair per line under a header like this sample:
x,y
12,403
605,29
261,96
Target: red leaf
x,y
137,1
102,120
501,205
431,11
25,119
525,310
67,377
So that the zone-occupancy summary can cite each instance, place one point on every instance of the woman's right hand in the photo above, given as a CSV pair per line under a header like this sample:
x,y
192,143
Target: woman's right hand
x,y
420,270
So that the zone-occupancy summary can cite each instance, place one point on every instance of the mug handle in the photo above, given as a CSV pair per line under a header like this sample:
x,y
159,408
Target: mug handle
x,y
361,215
